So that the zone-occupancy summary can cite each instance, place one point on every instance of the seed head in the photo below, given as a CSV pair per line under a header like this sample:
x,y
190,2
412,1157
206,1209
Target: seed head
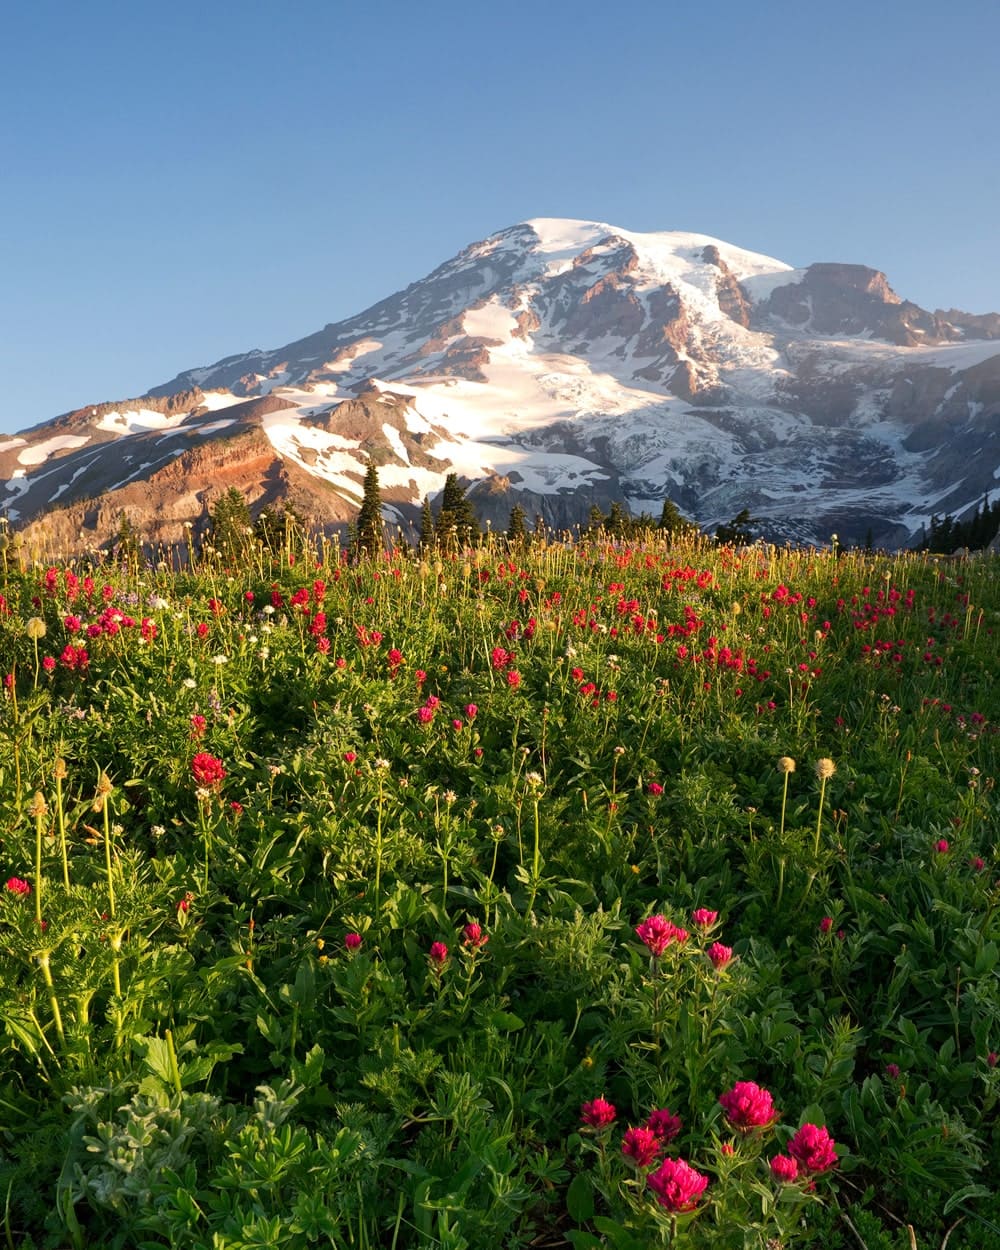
x,y
825,769
38,806
35,627
786,764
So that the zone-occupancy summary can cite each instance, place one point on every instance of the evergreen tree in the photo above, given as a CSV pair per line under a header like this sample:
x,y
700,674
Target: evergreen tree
x,y
517,531
616,522
672,520
370,530
595,520
230,524
456,524
737,532
127,547
426,526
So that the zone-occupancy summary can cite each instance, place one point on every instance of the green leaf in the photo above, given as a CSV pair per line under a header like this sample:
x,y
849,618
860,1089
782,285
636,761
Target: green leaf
x,y
970,1191
813,1114
505,1021
586,1241
309,1071
580,1199
619,1237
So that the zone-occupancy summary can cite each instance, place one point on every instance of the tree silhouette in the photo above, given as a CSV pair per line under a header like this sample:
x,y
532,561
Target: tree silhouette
x,y
370,531
231,524
456,524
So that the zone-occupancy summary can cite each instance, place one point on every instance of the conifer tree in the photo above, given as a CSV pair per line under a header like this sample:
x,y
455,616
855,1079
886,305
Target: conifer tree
x,y
456,524
230,523
616,522
673,521
736,532
595,520
517,532
128,548
370,531
426,526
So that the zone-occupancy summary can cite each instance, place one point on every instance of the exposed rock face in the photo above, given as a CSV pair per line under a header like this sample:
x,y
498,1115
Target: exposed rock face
x,y
732,298
986,326
846,300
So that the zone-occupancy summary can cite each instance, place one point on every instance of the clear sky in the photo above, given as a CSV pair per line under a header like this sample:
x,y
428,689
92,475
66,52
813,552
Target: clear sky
x,y
180,181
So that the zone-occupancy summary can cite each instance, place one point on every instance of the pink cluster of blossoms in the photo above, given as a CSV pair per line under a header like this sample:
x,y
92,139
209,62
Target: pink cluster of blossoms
x,y
748,1108
657,932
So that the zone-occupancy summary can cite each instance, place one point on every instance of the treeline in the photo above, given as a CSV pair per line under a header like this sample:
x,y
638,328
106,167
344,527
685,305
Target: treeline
x,y
947,535
231,533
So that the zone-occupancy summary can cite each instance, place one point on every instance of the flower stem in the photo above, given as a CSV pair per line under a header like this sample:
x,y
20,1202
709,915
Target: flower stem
x,y
819,815
38,810
60,772
43,963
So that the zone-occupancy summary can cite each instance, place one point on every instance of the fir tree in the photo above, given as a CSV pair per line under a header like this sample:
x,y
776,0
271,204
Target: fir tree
x,y
616,522
127,548
517,531
370,530
230,524
595,520
426,526
673,521
737,532
456,524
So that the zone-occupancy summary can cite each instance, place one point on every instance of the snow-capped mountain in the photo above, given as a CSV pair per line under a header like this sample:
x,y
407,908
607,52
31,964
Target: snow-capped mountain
x,y
559,364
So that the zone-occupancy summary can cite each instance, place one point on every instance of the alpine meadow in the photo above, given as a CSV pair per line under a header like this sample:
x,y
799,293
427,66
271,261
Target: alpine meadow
x,y
521,891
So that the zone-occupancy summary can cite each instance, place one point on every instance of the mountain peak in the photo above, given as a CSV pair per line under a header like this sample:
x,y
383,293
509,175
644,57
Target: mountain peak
x,y
567,362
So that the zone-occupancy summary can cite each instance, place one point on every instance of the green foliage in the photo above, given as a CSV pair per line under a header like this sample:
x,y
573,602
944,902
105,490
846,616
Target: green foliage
x,y
232,527
369,528
517,530
487,768
455,525
738,531
947,534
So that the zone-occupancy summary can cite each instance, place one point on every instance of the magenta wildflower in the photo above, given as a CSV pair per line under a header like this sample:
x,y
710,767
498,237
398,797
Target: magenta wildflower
x,y
748,1106
664,1124
15,885
657,932
703,918
207,769
720,955
598,1113
352,941
641,1146
784,1169
812,1146
677,1185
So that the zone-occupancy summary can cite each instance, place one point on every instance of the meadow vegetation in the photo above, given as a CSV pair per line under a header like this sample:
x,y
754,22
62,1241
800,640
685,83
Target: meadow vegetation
x,y
604,894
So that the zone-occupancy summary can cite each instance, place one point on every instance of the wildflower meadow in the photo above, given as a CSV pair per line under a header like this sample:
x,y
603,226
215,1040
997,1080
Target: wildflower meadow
x,y
543,894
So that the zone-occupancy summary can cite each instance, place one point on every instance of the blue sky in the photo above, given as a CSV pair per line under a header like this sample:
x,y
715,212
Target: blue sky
x,y
183,181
